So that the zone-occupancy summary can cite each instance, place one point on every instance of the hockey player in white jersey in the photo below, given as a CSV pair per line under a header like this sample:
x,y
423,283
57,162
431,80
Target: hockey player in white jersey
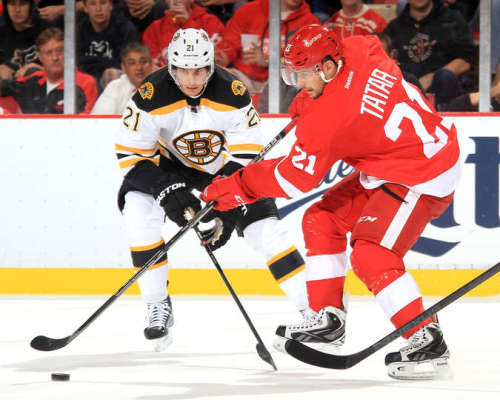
x,y
184,126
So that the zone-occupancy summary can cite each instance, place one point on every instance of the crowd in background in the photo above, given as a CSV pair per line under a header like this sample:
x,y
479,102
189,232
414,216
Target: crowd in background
x,y
120,42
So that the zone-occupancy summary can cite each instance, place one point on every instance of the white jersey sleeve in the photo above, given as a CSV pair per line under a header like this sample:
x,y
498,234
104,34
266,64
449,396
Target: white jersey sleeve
x,y
137,138
245,138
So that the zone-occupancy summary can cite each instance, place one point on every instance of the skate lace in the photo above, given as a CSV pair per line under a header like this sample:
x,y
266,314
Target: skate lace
x,y
158,314
416,341
310,320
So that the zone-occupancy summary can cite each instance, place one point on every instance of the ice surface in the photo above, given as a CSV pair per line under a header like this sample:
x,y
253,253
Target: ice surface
x,y
213,355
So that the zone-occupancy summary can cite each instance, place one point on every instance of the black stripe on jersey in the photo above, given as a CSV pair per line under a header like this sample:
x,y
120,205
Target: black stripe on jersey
x,y
166,92
244,155
219,89
286,265
139,258
121,155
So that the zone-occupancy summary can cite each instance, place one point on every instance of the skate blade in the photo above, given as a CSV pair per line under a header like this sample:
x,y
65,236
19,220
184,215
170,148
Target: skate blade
x,y
161,344
437,369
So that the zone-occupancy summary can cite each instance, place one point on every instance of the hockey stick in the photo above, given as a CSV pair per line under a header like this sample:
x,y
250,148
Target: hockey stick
x,y
44,343
261,348
325,360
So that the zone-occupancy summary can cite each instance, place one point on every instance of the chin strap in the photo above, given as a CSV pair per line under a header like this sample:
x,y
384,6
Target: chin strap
x,y
322,74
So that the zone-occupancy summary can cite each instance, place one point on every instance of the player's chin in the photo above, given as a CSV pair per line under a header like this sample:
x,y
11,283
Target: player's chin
x,y
313,94
193,91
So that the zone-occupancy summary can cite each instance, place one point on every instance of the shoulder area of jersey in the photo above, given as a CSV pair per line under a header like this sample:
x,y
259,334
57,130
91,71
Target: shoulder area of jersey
x,y
148,88
226,88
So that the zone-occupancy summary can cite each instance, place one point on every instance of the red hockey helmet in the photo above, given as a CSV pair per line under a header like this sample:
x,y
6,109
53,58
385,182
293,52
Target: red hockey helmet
x,y
307,48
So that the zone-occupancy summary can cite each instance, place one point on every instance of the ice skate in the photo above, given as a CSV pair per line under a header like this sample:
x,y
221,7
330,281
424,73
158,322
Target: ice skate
x,y
326,327
425,357
160,320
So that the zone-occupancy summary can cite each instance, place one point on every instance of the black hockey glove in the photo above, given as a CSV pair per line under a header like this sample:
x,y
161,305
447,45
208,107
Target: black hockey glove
x,y
174,196
224,224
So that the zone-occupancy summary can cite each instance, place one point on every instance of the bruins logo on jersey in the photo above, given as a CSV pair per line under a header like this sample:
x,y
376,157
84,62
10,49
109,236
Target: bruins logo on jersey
x,y
238,88
200,147
146,90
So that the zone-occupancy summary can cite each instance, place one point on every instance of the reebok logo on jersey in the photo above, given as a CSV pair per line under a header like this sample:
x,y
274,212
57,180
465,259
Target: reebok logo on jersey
x,y
367,218
349,80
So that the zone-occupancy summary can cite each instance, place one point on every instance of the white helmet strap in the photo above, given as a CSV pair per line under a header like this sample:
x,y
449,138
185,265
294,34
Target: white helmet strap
x,y
322,74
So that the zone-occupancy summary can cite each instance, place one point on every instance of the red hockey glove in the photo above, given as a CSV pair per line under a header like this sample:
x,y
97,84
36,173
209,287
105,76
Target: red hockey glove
x,y
227,192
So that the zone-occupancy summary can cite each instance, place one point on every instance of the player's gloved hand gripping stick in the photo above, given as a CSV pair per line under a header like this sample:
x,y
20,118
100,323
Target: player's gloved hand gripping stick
x,y
44,343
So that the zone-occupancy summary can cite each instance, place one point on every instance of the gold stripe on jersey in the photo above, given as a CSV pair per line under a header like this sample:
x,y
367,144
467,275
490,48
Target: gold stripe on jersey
x,y
134,160
249,147
136,150
147,247
170,108
216,106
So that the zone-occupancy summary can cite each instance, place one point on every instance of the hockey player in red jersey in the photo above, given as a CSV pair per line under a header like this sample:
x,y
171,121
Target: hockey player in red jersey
x,y
407,162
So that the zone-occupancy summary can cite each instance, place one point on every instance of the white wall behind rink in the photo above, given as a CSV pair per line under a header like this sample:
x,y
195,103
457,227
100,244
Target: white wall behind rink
x,y
58,201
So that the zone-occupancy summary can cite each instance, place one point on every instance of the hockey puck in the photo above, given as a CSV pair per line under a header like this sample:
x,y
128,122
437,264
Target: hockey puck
x,y
60,377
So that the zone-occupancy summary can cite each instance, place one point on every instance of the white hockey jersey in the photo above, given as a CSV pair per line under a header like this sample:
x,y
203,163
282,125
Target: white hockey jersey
x,y
203,134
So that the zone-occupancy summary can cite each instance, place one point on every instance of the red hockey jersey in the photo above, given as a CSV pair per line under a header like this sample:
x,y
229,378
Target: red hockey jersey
x,y
371,118
363,23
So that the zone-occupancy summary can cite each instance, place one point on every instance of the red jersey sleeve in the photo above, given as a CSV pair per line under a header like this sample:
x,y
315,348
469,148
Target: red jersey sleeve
x,y
308,162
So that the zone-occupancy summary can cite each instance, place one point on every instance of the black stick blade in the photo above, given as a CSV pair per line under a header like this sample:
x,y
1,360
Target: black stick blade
x,y
265,355
318,358
44,343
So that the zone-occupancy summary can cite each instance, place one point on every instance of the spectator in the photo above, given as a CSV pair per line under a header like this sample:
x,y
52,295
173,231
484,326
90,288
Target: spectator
x,y
182,14
52,11
470,101
386,43
355,18
434,43
42,92
223,9
467,8
136,65
287,94
101,35
17,38
143,13
324,9
245,46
